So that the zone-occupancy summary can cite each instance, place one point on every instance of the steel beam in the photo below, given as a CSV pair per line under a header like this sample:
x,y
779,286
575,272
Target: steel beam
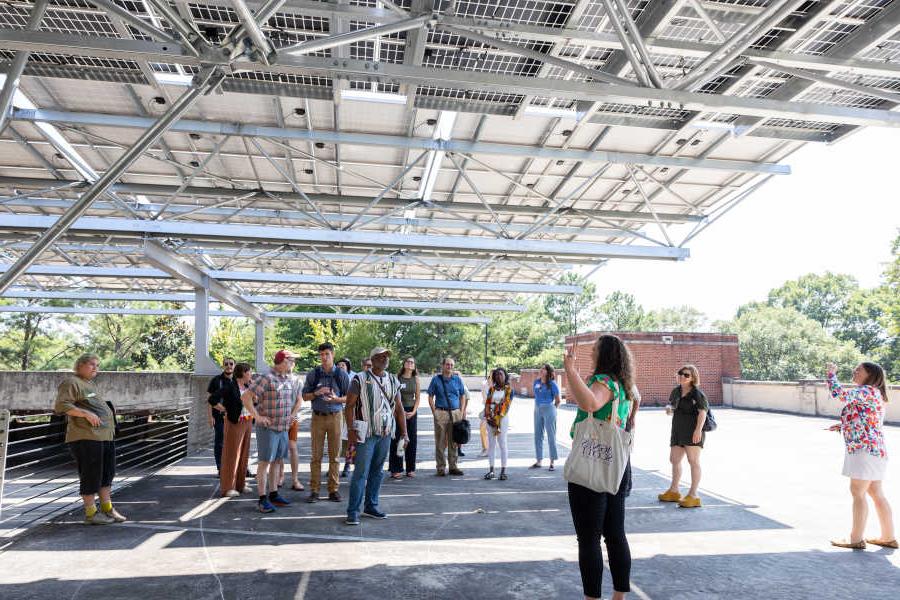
x,y
285,300
343,39
550,59
210,367
206,81
181,269
302,279
281,235
830,81
470,147
11,84
253,30
209,192
135,21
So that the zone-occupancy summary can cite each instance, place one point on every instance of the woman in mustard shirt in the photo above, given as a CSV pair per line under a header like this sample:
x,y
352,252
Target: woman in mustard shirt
x,y
595,513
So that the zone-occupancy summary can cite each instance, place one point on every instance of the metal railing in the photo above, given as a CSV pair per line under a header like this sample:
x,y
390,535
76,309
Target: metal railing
x,y
39,479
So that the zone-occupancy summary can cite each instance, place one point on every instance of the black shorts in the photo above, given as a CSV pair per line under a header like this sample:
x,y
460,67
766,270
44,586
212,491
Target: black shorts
x,y
96,463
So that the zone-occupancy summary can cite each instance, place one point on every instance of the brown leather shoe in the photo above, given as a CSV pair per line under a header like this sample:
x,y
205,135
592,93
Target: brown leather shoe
x,y
335,496
860,545
883,543
456,472
440,473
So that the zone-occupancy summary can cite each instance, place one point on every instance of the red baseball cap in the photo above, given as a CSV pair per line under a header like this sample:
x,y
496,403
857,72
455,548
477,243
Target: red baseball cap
x,y
281,355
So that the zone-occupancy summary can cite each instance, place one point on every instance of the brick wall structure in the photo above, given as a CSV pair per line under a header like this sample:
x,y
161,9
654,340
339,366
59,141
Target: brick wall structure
x,y
657,357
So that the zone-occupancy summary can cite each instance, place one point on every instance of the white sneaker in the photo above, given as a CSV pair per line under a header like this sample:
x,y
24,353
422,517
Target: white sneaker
x,y
247,490
99,518
232,493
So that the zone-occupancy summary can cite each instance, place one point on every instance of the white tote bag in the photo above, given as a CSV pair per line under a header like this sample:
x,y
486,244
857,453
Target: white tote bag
x,y
599,455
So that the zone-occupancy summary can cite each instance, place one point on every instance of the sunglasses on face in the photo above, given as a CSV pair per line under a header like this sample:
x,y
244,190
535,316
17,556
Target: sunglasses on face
x,y
229,364
683,374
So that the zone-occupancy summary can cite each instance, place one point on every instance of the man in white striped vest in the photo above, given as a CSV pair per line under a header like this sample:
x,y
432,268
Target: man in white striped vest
x,y
373,413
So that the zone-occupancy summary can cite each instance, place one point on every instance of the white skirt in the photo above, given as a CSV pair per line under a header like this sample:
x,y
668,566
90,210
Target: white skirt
x,y
862,465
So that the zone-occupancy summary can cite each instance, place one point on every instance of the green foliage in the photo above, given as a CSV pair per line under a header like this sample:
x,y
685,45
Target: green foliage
x,y
31,341
568,310
677,318
781,344
822,298
622,312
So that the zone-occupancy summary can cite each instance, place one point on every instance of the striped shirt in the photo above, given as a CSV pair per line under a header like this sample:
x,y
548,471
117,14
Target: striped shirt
x,y
276,395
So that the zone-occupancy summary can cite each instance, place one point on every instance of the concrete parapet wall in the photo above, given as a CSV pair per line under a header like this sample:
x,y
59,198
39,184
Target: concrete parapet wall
x,y
808,397
36,390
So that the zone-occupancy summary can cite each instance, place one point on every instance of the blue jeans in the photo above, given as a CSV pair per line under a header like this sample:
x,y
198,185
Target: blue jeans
x,y
545,420
367,473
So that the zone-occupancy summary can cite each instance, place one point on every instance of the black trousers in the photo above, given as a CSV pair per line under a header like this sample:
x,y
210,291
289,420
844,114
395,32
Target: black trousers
x,y
396,462
596,514
219,439
96,463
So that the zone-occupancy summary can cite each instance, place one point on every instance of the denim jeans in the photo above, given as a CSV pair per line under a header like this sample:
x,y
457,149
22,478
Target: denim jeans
x,y
545,420
367,473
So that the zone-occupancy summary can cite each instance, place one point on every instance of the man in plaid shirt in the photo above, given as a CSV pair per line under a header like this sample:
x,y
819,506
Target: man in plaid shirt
x,y
278,400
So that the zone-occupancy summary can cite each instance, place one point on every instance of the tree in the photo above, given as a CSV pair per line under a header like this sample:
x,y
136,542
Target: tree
x,y
677,318
569,311
780,344
622,312
822,298
37,340
169,343
866,319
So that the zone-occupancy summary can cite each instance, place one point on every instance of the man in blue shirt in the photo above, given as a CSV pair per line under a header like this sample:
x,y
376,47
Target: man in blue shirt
x,y
447,397
326,387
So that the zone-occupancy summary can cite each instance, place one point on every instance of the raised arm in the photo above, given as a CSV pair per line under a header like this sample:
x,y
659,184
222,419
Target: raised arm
x,y
589,399
834,386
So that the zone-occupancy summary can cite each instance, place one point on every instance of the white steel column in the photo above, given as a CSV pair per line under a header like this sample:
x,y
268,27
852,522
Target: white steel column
x,y
260,345
203,364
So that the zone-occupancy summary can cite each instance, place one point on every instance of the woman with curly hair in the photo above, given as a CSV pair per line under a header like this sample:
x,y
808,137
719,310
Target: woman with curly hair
x,y
598,514
496,410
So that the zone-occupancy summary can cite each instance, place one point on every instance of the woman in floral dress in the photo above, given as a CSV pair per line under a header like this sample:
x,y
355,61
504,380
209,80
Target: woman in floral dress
x,y
865,461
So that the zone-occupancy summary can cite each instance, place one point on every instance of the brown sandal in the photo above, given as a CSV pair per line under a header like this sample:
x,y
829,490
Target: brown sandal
x,y
884,544
860,545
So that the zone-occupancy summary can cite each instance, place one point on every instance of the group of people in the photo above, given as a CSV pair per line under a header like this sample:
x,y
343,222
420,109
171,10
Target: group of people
x,y
365,416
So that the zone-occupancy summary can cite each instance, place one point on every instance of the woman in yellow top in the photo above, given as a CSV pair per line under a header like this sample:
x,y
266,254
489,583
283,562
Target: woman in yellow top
x,y
595,513
90,429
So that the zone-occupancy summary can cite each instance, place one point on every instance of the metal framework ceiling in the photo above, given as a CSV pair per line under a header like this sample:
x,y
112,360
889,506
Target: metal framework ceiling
x,y
420,155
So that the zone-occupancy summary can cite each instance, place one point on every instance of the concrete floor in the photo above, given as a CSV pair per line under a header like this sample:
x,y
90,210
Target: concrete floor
x,y
772,491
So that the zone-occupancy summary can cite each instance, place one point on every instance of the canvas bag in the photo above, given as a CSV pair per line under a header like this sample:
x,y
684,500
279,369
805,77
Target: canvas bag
x,y
599,456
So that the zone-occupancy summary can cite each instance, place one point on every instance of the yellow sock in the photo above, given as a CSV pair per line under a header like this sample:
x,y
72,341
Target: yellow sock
x,y
90,511
106,506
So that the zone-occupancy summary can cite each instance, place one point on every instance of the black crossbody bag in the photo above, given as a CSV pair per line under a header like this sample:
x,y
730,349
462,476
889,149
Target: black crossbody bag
x,y
461,431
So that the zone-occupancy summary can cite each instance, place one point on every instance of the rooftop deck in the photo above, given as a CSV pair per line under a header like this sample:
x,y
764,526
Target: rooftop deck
x,y
772,491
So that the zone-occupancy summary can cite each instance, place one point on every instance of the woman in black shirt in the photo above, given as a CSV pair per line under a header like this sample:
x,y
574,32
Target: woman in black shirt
x,y
688,407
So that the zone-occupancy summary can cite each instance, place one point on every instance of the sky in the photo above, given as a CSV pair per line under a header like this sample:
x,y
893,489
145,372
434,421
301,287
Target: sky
x,y
838,211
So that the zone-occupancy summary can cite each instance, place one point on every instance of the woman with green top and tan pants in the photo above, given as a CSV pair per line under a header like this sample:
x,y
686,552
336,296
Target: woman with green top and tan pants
x,y
597,514
90,429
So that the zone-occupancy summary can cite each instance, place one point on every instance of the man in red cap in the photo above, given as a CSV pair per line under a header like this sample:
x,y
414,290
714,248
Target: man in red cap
x,y
278,400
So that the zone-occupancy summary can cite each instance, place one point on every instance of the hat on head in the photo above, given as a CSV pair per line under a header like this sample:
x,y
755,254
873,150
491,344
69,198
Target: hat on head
x,y
281,355
379,350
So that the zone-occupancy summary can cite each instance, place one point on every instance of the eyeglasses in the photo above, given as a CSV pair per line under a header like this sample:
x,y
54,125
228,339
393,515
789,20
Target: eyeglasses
x,y
410,362
683,374
228,364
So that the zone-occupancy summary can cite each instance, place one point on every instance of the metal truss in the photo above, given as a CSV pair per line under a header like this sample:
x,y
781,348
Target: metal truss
x,y
631,136
102,310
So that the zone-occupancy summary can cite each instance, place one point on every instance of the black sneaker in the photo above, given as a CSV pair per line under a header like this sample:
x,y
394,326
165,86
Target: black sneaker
x,y
335,497
312,498
374,513
456,472
460,452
